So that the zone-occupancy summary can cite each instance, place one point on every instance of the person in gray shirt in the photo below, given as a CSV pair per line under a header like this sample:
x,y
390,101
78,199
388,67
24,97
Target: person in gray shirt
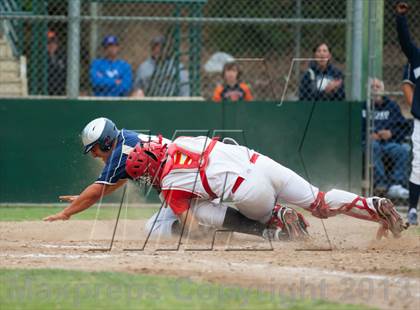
x,y
159,76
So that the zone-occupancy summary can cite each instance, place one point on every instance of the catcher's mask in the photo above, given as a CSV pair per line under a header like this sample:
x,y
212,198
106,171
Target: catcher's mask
x,y
145,161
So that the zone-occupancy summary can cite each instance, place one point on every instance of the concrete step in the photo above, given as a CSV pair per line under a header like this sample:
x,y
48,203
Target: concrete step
x,y
5,50
10,94
11,87
8,75
7,64
12,80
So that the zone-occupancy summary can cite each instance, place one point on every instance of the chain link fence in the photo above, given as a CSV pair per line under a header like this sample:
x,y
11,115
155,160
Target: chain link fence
x,y
192,40
178,48
196,38
387,143
387,121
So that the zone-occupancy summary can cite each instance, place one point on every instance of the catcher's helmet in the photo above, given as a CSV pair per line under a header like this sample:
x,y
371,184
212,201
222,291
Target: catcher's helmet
x,y
100,131
146,161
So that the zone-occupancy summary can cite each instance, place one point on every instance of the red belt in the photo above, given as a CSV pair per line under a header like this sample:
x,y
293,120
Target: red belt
x,y
206,185
239,180
202,170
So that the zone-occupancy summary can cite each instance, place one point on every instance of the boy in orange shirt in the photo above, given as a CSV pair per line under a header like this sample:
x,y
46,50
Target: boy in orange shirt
x,y
232,88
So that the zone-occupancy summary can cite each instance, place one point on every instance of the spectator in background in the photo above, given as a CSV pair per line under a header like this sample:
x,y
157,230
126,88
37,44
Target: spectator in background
x,y
232,89
56,66
111,77
322,81
157,75
390,154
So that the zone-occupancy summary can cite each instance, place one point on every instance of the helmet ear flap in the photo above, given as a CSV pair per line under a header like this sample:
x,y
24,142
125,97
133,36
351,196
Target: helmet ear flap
x,y
100,131
106,144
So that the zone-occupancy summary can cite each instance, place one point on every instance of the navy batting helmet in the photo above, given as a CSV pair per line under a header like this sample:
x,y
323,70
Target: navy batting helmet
x,y
100,131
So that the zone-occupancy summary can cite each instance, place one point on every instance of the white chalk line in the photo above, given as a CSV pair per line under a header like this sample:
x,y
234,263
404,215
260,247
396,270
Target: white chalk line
x,y
64,256
317,272
302,271
59,246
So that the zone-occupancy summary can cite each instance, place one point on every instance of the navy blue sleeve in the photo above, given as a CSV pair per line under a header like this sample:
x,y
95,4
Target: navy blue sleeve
x,y
408,47
408,75
114,170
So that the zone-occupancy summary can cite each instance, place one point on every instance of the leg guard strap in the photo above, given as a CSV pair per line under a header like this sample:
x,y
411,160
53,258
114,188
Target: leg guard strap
x,y
319,208
357,208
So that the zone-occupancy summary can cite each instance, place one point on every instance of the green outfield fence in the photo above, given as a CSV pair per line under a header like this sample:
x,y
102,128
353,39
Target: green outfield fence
x,y
41,155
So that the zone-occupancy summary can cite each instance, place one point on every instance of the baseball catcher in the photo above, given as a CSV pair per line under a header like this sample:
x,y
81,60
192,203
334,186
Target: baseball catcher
x,y
192,172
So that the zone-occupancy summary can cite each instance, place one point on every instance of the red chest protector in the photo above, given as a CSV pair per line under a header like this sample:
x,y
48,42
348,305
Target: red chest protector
x,y
179,158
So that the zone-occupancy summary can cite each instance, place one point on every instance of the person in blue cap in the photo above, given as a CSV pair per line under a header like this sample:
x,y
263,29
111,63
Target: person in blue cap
x,y
110,76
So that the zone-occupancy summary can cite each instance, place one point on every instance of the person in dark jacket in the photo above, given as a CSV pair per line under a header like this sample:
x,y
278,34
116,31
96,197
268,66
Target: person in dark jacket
x,y
56,66
388,133
322,81
412,52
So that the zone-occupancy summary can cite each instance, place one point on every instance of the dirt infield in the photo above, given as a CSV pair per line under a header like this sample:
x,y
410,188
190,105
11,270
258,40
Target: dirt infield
x,y
359,270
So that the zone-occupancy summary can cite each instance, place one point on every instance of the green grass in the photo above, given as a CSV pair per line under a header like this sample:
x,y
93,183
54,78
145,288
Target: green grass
x,y
413,271
31,213
60,289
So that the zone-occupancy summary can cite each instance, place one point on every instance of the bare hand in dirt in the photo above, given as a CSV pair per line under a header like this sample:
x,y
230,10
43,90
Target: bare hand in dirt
x,y
68,198
61,216
401,8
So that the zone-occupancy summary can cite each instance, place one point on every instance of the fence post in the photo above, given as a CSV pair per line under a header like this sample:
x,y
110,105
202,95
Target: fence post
x,y
298,36
374,70
349,48
94,31
375,34
73,49
357,47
